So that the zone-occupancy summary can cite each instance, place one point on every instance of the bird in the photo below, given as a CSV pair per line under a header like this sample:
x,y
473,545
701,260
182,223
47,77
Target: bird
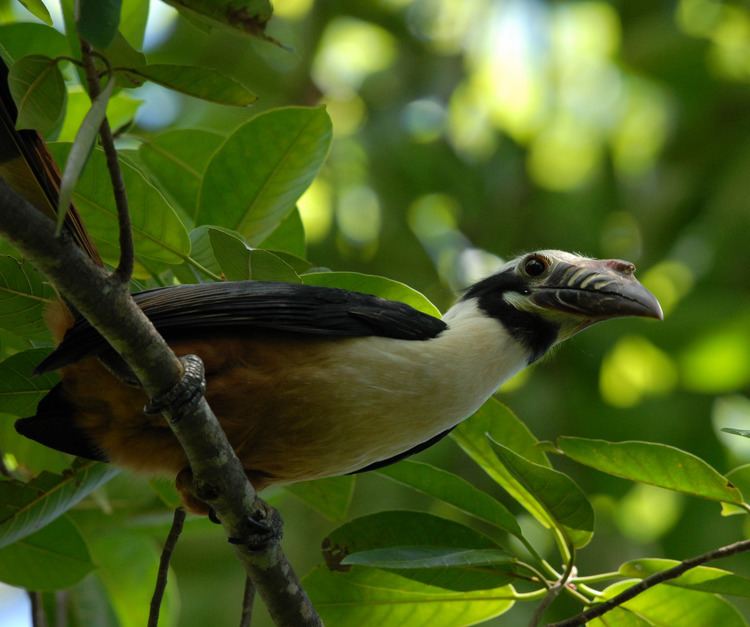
x,y
306,381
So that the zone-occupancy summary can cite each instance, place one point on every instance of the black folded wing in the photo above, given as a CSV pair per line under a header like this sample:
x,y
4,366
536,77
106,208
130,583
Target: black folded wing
x,y
187,310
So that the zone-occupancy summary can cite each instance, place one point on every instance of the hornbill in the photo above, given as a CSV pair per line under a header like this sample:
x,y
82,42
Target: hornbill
x,y
310,381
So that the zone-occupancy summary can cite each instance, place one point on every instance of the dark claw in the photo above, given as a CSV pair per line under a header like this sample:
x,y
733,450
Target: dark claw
x,y
189,390
261,532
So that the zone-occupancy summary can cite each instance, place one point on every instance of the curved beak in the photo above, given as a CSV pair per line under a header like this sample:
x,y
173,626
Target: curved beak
x,y
596,289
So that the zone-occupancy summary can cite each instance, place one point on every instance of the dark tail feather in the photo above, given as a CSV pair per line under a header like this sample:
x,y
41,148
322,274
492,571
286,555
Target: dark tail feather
x,y
54,427
27,166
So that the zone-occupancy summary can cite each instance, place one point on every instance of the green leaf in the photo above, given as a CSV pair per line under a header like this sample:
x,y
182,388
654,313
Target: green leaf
x,y
238,262
133,19
21,39
53,558
497,421
745,433
454,490
368,597
410,557
20,389
704,578
177,160
375,285
289,236
27,507
657,464
249,16
121,111
386,530
254,179
330,497
204,83
37,9
98,20
81,149
38,89
664,606
23,297
158,234
560,496
740,478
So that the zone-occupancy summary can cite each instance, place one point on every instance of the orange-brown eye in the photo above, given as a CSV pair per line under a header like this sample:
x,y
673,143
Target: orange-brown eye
x,y
535,266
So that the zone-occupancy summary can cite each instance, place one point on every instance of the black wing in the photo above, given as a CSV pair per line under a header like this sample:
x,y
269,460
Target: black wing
x,y
187,310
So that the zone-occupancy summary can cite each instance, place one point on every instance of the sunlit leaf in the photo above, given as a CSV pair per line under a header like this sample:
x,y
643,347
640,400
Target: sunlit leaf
x,y
98,20
26,38
669,605
158,234
704,578
410,557
20,388
81,149
121,111
23,297
38,89
385,530
368,597
253,181
27,507
133,19
375,285
452,489
560,496
330,496
37,9
177,160
657,464
205,83
52,558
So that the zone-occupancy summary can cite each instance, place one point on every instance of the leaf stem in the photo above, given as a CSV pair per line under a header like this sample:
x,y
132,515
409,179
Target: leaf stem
x,y
597,578
556,588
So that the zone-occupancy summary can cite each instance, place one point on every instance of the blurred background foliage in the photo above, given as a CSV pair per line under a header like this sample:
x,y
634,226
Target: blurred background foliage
x,y
466,131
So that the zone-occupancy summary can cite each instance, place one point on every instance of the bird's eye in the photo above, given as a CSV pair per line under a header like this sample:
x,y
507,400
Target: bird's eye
x,y
535,265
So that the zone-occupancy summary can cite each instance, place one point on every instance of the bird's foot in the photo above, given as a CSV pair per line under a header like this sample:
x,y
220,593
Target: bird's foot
x,y
189,390
261,529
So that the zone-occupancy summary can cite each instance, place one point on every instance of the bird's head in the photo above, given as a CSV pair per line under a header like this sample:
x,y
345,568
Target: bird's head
x,y
545,297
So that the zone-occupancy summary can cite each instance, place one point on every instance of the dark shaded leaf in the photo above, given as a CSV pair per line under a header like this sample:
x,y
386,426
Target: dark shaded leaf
x,y
410,557
98,20
38,90
23,297
20,389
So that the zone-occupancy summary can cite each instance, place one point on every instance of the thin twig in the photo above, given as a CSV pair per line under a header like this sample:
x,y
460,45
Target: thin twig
x,y
125,266
650,582
553,591
38,619
248,598
166,555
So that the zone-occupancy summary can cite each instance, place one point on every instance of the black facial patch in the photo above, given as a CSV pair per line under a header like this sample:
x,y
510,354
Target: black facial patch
x,y
533,331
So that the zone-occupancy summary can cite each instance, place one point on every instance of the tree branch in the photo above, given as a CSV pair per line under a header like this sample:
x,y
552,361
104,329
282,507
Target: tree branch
x,y
125,266
218,473
649,582
553,591
166,555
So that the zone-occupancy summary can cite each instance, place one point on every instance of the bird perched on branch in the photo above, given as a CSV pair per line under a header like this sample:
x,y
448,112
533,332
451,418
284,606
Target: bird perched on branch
x,y
310,381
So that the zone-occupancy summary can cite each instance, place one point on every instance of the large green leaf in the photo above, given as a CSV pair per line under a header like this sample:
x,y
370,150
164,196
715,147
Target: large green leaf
x,y
177,160
38,88
497,421
21,39
411,557
254,179
158,234
37,8
452,489
23,297
289,236
27,507
398,529
705,578
330,496
52,558
98,20
205,83
133,20
121,111
368,597
375,285
665,606
238,262
20,388
560,496
249,16
657,464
